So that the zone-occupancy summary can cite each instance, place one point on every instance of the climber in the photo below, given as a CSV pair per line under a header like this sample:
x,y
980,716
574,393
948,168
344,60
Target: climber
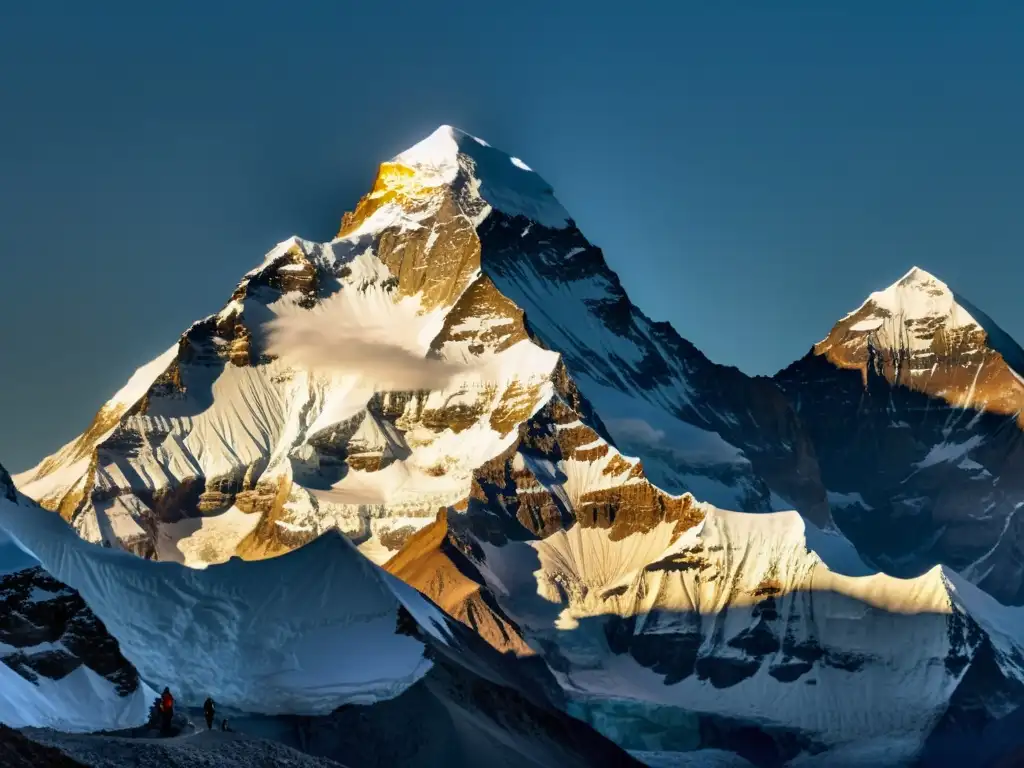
x,y
209,710
166,711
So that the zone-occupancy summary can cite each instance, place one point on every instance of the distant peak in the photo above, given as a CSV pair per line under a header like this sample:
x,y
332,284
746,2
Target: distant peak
x,y
919,294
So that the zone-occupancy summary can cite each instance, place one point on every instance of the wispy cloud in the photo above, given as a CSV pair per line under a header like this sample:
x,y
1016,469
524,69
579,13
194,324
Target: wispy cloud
x,y
348,335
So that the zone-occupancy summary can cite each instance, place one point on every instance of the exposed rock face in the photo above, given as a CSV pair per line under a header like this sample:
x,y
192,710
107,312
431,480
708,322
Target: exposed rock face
x,y
462,267
645,380
50,632
431,562
914,405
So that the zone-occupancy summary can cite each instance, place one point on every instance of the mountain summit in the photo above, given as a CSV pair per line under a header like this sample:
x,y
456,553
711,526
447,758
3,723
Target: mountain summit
x,y
505,182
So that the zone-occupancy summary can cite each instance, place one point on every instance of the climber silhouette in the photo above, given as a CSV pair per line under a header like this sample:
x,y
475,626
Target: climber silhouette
x,y
166,711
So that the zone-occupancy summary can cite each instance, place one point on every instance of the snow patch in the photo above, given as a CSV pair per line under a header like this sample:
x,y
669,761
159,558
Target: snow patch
x,y
949,452
870,324
837,499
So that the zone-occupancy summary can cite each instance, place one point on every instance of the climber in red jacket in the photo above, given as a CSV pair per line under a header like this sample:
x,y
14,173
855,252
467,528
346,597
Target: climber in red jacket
x,y
166,710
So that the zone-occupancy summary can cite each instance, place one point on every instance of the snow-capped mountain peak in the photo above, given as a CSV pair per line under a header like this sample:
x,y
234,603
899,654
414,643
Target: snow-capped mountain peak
x,y
460,384
918,296
916,328
504,182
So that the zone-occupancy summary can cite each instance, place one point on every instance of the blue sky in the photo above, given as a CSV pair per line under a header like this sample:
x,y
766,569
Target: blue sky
x,y
751,172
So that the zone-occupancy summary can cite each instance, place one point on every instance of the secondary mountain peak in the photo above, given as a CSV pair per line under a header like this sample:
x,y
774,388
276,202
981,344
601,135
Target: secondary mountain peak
x,y
916,296
921,334
914,402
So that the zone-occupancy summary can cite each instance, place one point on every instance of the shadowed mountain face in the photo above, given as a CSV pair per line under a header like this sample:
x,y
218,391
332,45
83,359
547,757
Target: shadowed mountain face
x,y
913,403
51,632
739,632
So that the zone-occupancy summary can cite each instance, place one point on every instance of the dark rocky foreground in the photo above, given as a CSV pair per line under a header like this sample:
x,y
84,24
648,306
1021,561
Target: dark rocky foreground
x,y
213,749
18,751
449,718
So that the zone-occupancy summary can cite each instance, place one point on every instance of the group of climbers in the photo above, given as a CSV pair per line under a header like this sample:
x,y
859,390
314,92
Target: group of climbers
x,y
163,711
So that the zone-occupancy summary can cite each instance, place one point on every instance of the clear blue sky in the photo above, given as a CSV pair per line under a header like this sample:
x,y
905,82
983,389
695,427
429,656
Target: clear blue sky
x,y
751,173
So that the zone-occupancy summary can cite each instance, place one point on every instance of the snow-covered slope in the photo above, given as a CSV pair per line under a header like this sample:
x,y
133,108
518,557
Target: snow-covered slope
x,y
359,384
914,403
256,636
58,664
